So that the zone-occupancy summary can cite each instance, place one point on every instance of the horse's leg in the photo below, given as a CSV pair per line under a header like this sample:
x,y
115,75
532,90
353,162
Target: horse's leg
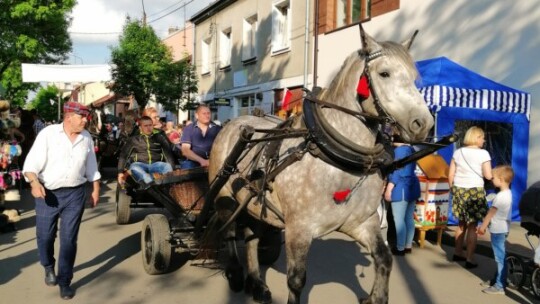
x,y
297,247
369,235
254,283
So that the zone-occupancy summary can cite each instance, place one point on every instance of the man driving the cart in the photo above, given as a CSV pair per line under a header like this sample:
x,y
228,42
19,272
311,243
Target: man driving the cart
x,y
197,139
147,152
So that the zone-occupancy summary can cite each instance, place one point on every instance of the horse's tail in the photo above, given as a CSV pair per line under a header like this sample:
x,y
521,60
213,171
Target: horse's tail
x,y
211,239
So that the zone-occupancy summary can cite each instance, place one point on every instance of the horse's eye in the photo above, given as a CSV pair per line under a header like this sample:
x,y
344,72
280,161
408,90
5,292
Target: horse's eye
x,y
384,74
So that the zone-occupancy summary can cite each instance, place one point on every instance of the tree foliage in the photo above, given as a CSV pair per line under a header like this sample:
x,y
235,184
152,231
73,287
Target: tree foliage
x,y
42,103
143,67
33,31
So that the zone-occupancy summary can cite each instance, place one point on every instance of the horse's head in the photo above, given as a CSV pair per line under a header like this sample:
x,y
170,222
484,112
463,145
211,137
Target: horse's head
x,y
390,73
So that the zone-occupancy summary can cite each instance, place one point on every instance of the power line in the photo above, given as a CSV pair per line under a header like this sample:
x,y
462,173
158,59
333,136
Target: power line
x,y
168,7
94,33
176,9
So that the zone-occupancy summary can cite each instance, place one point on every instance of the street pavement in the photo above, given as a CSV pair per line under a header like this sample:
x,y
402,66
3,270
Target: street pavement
x,y
109,269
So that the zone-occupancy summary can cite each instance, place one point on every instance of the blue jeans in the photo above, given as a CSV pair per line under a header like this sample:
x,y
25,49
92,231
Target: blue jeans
x,y
142,171
66,205
403,218
189,164
498,241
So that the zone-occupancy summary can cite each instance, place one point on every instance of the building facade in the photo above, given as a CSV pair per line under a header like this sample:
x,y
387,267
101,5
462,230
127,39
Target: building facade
x,y
247,52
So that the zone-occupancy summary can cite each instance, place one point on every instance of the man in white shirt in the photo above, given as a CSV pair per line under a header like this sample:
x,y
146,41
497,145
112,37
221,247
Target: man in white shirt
x,y
57,167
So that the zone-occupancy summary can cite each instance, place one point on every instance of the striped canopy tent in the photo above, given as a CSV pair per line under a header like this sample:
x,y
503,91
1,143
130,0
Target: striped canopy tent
x,y
455,93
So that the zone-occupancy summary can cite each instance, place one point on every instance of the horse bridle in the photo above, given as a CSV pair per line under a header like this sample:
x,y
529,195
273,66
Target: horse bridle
x,y
368,57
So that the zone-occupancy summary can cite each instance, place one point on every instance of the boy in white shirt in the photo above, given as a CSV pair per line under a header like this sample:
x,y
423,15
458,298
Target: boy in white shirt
x,y
498,218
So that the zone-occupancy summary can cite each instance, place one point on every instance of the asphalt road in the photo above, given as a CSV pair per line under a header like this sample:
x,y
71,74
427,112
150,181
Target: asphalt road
x,y
109,270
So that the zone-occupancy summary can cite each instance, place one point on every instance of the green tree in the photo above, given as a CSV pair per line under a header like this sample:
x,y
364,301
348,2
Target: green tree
x,y
143,66
32,31
178,88
42,103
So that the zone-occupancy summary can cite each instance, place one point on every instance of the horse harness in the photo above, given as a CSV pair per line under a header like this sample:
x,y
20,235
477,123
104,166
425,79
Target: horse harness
x,y
321,140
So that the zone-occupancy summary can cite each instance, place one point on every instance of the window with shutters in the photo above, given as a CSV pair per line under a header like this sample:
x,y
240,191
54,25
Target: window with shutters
x,y
225,47
281,26
354,11
206,51
249,41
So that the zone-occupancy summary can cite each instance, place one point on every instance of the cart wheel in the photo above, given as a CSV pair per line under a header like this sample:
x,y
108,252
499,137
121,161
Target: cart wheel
x,y
270,247
123,210
515,272
535,282
155,246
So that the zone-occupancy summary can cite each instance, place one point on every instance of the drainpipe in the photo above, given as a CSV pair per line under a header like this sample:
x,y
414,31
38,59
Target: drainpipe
x,y
306,48
316,44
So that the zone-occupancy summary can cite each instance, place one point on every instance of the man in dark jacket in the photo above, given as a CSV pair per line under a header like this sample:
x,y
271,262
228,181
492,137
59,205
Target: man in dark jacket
x,y
149,152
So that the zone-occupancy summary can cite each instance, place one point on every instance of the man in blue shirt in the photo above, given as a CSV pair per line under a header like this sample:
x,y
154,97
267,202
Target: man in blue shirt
x,y
197,139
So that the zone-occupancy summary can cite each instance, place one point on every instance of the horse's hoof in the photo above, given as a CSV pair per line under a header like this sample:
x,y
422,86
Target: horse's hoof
x,y
235,277
259,290
261,295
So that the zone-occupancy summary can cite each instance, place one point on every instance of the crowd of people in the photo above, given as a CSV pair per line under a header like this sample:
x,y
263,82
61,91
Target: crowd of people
x,y
157,146
469,169
62,161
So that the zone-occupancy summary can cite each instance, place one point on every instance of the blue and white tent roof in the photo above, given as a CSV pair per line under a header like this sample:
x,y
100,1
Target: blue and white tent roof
x,y
445,83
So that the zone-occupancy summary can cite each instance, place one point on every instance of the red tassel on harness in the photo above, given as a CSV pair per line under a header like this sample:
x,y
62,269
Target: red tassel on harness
x,y
340,196
363,87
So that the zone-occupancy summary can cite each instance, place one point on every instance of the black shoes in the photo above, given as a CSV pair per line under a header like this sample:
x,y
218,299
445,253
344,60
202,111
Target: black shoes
x,y
398,252
50,277
468,265
66,292
458,258
408,250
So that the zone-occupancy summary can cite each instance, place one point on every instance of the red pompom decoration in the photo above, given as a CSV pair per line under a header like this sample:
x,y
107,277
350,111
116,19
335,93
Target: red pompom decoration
x,y
363,87
340,196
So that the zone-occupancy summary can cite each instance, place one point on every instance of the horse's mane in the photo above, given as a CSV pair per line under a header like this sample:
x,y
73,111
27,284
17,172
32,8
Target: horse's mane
x,y
353,66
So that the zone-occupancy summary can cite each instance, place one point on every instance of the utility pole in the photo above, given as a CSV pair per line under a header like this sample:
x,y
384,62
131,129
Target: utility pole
x,y
143,13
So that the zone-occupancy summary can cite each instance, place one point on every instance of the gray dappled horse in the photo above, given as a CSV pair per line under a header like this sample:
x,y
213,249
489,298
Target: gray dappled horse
x,y
301,197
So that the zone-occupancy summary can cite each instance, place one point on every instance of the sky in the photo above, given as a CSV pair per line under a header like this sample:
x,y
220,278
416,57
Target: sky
x,y
97,24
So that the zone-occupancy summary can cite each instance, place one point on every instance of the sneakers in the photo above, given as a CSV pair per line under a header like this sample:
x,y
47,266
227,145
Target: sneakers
x,y
493,290
486,283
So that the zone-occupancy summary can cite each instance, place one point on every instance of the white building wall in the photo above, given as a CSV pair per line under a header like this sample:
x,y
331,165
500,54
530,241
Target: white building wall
x,y
496,38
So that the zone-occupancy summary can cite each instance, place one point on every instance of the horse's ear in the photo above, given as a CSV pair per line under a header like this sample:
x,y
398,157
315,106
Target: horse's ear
x,y
369,45
407,43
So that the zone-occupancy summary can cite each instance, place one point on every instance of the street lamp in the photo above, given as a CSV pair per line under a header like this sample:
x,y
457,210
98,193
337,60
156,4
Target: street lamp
x,y
75,57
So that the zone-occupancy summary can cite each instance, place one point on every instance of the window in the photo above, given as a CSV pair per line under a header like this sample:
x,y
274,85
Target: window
x,y
281,21
249,42
247,103
225,47
352,11
206,51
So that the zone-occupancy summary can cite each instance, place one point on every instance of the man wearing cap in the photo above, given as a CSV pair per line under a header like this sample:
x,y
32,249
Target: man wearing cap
x,y
58,166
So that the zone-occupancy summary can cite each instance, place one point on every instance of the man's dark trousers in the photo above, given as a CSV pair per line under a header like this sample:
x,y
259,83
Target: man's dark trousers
x,y
66,205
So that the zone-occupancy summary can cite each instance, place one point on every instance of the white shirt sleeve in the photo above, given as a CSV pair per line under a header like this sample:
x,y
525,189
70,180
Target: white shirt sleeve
x,y
37,156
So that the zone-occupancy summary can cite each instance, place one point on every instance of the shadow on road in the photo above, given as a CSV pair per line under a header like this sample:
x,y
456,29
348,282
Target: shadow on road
x,y
112,257
11,266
